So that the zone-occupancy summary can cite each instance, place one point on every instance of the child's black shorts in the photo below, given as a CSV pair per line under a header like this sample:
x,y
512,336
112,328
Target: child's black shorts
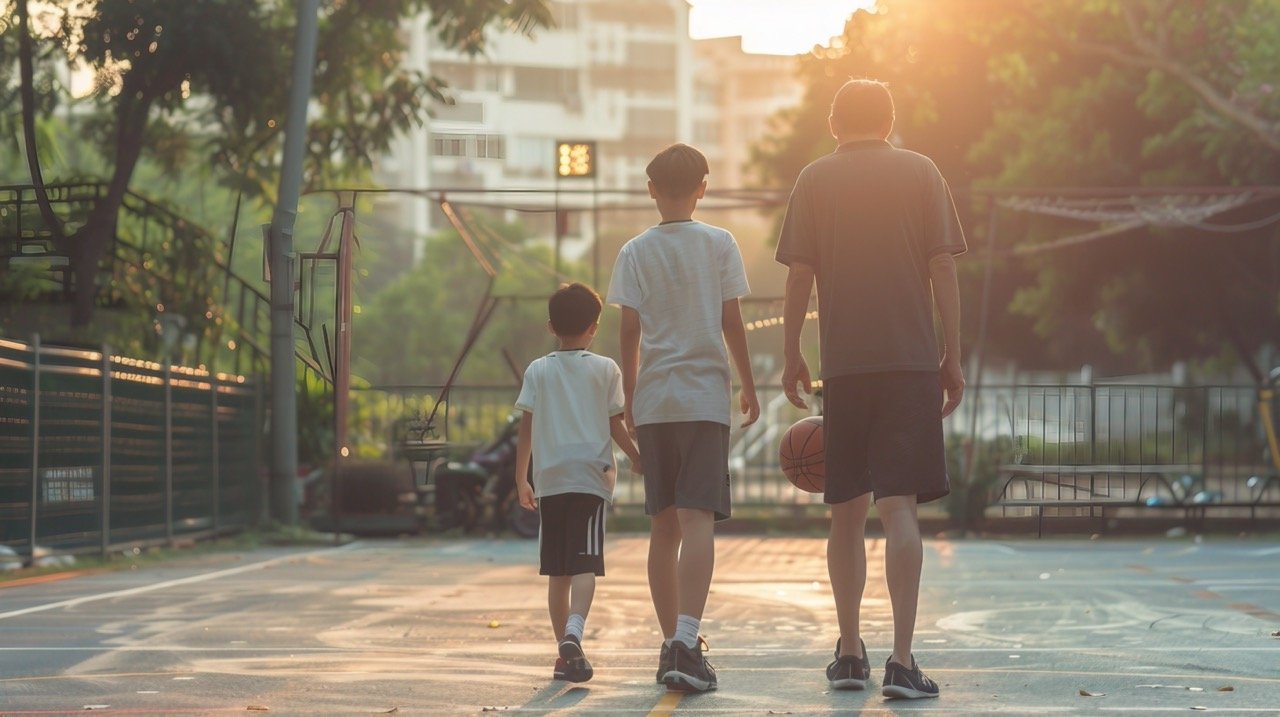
x,y
571,536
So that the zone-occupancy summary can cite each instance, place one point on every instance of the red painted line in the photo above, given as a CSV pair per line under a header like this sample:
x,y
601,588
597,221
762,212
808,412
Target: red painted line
x,y
40,579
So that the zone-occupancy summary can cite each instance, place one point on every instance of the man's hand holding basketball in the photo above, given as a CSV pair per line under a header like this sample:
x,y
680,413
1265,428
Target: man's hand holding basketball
x,y
795,378
952,375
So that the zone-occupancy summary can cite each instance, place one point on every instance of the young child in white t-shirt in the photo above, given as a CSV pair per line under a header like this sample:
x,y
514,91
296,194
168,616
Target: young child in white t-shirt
x,y
572,406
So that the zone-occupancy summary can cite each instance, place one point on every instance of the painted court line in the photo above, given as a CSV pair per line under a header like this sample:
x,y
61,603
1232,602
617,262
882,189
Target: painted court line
x,y
666,704
168,583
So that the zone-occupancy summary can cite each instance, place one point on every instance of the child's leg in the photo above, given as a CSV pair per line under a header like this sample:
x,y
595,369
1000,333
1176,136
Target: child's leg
x,y
664,551
584,589
697,560
558,603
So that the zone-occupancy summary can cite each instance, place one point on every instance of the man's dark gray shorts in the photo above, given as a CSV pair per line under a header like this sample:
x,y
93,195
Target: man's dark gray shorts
x,y
686,464
882,434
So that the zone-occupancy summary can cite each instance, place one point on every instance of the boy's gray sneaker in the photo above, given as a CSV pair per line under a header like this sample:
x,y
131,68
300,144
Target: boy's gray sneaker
x,y
849,672
907,684
690,671
575,666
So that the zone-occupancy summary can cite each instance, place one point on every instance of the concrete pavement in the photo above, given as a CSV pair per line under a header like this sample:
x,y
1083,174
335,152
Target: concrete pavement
x,y
459,627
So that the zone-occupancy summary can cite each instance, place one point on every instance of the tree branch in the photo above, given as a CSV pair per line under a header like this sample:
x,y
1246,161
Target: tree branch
x,y
1151,56
26,64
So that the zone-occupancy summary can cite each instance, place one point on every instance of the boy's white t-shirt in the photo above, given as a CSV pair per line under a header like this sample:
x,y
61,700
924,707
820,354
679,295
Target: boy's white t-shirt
x,y
572,394
677,276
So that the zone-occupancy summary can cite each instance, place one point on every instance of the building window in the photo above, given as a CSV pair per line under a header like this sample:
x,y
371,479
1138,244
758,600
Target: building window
x,y
544,84
491,146
449,145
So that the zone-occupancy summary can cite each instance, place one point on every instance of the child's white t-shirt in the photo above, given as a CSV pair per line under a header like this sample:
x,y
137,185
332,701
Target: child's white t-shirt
x,y
677,276
572,394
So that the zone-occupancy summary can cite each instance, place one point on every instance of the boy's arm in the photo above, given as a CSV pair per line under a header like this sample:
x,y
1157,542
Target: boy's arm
x,y
629,335
524,440
618,430
946,294
735,337
795,305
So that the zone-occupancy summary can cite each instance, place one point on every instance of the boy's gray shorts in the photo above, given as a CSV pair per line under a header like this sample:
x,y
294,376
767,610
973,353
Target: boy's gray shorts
x,y
686,464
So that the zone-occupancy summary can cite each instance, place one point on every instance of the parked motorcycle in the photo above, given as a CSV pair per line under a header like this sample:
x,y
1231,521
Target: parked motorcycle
x,y
482,490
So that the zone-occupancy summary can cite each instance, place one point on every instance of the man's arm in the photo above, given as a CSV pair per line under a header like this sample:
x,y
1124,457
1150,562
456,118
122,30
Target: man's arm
x,y
795,305
946,294
524,441
629,338
735,338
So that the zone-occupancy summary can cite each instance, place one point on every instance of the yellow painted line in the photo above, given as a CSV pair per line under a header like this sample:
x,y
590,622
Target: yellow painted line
x,y
666,705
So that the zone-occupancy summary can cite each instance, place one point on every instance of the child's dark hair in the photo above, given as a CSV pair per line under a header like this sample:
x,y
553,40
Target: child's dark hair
x,y
574,308
677,170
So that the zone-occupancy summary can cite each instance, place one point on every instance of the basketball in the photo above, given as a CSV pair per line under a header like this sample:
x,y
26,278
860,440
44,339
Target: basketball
x,y
801,455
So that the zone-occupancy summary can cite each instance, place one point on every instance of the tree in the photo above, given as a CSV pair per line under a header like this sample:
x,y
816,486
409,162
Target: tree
x,y
205,80
1041,93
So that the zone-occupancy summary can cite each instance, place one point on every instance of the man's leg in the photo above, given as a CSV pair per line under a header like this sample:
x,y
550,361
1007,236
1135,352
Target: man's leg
x,y
847,567
664,552
903,554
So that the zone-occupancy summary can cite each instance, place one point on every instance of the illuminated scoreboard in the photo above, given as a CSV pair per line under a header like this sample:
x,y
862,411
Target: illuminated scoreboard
x,y
575,159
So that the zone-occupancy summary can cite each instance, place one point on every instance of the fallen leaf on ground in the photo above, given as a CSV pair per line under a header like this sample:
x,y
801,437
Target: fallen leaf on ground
x,y
1198,708
257,708
391,711
494,623
1276,633
1226,688
1087,693
97,707
1195,689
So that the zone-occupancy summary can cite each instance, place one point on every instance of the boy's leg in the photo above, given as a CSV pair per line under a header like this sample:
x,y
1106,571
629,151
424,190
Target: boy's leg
x,y
697,560
847,567
903,555
664,553
558,593
580,596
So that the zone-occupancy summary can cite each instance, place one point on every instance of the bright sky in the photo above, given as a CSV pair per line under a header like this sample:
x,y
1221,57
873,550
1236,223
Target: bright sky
x,y
776,27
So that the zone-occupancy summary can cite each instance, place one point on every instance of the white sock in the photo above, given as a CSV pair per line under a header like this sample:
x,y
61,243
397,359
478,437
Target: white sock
x,y
575,626
687,630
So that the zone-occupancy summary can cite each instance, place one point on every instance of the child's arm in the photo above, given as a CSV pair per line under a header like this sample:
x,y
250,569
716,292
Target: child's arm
x,y
735,337
524,441
621,436
629,335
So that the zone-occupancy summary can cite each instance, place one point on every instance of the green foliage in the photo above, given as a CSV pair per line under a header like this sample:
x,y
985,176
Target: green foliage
x,y
1106,93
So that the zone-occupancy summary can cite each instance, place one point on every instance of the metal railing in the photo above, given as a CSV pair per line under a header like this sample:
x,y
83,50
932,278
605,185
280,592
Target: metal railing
x,y
1215,429
100,451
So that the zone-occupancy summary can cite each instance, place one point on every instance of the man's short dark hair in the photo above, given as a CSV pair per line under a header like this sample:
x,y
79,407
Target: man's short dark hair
x,y
677,170
862,106
574,308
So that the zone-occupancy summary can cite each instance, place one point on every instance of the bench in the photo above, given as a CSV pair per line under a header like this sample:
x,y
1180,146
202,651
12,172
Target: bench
x,y
1167,486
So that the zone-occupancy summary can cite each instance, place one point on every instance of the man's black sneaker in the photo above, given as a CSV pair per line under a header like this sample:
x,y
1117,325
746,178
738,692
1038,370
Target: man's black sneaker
x,y
849,672
690,671
909,684
576,667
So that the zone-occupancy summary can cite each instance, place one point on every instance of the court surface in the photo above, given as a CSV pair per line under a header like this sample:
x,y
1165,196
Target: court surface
x,y
459,627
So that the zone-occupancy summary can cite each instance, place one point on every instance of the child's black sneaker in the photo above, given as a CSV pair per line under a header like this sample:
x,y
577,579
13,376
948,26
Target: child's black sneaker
x,y
909,684
576,667
849,672
690,671
664,661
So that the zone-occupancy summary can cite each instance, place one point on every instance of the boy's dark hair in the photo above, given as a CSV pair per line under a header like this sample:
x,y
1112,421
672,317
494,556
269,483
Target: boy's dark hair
x,y
574,308
677,170
862,106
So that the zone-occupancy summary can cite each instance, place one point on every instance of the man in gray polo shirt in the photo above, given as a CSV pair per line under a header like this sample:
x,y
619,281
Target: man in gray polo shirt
x,y
877,228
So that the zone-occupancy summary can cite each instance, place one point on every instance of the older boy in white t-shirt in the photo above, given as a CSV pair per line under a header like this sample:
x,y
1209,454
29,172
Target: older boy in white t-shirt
x,y
678,284
577,401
